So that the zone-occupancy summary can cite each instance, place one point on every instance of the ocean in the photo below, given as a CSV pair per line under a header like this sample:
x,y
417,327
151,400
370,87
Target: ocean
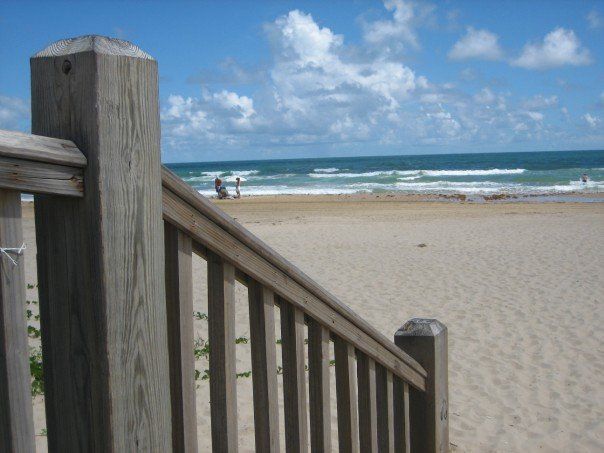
x,y
542,173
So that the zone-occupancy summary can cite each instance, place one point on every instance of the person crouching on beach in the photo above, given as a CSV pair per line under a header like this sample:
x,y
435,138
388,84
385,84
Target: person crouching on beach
x,y
238,187
220,189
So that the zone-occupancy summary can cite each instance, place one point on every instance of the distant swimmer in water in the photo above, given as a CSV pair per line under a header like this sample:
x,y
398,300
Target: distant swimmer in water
x,y
584,178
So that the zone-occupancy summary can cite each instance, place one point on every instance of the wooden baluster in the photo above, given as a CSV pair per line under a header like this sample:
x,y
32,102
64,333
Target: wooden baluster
x,y
385,409
367,403
264,367
16,413
390,403
294,378
223,374
402,438
318,381
346,390
179,308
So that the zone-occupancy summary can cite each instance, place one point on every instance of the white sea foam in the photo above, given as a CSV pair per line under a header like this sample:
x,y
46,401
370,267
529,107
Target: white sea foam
x,y
494,171
210,174
326,170
433,173
434,187
369,174
218,173
226,175
286,190
233,178
243,172
482,187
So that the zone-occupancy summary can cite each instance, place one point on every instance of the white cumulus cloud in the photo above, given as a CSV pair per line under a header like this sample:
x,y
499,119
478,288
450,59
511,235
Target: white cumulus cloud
x,y
535,116
401,26
592,121
481,44
318,92
14,113
560,47
540,102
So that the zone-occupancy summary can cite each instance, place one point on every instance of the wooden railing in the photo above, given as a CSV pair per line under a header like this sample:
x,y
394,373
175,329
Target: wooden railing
x,y
117,337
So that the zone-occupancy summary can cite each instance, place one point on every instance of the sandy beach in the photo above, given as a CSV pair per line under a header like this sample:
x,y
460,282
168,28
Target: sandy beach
x,y
520,287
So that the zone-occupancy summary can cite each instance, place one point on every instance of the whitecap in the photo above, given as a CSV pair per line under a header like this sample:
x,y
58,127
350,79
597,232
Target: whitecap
x,y
326,170
494,171
286,190
369,174
243,172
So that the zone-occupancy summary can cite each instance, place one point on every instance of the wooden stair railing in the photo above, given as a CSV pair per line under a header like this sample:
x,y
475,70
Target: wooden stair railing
x,y
373,375
116,304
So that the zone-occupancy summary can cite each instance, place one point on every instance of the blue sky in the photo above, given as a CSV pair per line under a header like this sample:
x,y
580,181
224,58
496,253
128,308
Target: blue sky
x,y
249,80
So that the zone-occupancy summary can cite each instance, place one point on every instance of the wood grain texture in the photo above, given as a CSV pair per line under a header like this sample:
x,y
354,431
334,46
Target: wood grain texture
x,y
402,437
390,406
100,45
179,309
264,367
221,334
385,410
35,177
202,251
366,379
16,414
37,148
346,390
100,266
241,234
205,231
427,341
294,379
319,392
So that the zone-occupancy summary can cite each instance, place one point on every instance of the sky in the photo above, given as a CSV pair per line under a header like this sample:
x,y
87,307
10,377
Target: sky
x,y
287,79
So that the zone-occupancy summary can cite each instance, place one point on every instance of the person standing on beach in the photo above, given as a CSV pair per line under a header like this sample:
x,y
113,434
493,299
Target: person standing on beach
x,y
238,187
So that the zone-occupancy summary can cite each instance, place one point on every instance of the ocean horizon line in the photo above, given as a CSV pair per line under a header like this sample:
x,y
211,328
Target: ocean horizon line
x,y
379,156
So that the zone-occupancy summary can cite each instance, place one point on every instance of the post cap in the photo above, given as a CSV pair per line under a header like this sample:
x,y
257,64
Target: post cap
x,y
421,327
93,43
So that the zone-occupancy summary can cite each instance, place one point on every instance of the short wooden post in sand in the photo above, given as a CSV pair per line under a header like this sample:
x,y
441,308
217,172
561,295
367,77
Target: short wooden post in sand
x,y
426,341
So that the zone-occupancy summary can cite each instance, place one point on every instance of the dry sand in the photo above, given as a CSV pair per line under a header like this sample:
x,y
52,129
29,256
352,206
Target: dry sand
x,y
520,287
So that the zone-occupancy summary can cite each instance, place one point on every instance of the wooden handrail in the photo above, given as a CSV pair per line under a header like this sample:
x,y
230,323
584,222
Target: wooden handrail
x,y
37,164
40,149
195,214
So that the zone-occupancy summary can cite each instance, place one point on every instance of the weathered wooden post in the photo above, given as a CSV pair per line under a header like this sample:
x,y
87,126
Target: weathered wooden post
x,y
101,258
426,341
16,414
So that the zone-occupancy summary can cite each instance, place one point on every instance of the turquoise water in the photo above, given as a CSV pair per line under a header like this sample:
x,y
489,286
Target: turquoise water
x,y
510,173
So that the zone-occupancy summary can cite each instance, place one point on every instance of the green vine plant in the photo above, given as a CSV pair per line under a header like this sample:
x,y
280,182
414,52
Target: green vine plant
x,y
201,348
32,314
201,351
